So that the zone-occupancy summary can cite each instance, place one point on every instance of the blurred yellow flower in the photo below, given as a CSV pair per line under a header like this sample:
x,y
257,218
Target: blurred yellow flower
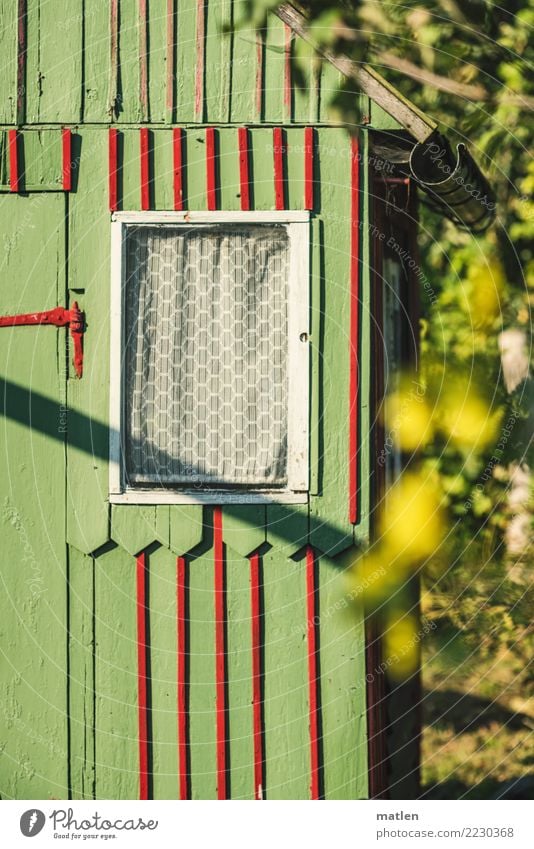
x,y
484,289
401,645
466,417
409,417
412,523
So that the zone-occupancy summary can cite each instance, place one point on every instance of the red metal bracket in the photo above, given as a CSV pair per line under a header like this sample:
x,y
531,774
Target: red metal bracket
x,y
58,317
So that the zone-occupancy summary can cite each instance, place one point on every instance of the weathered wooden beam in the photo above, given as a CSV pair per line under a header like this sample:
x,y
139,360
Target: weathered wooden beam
x,y
419,125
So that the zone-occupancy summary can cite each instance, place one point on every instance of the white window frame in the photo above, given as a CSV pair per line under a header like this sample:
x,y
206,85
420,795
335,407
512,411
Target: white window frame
x,y
298,229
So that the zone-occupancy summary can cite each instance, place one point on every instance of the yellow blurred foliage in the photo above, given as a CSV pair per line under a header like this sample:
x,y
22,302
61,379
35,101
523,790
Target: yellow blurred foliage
x,y
466,418
409,417
412,522
485,290
401,645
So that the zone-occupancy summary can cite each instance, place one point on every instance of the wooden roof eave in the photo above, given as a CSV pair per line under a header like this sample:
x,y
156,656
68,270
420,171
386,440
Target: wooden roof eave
x,y
385,95
454,183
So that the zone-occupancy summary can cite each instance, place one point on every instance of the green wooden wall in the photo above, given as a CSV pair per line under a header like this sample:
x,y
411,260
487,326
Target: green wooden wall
x,y
69,641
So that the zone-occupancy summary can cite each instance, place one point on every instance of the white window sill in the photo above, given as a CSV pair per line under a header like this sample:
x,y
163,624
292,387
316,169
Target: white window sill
x,y
158,496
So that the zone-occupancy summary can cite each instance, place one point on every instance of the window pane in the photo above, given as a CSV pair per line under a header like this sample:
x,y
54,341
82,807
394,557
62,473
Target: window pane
x,y
206,355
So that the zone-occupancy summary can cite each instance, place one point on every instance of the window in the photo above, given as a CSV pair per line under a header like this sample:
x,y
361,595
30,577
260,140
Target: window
x,y
209,357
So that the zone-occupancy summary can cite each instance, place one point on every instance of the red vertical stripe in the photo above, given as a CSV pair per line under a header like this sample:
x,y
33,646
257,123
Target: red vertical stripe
x,y
211,166
244,174
312,671
220,652
66,141
182,697
200,60
145,167
14,177
354,333
177,141
113,172
142,676
279,150
309,153
256,675
288,83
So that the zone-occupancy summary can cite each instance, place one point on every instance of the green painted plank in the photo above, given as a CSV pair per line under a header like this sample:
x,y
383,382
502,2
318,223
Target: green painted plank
x,y
196,168
230,186
274,71
240,724
286,706
129,101
163,659
97,68
131,169
305,90
8,51
117,752
163,190
262,173
342,687
134,527
43,163
185,61
287,527
295,168
244,527
33,682
157,61
81,675
53,75
88,399
202,719
243,107
330,530
219,68
331,80
186,527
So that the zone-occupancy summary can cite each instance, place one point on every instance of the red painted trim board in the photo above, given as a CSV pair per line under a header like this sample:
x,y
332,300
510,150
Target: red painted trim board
x,y
220,652
66,148
244,171
178,182
14,176
113,169
354,333
278,154
142,687
144,153
312,671
183,719
258,748
211,169
309,155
